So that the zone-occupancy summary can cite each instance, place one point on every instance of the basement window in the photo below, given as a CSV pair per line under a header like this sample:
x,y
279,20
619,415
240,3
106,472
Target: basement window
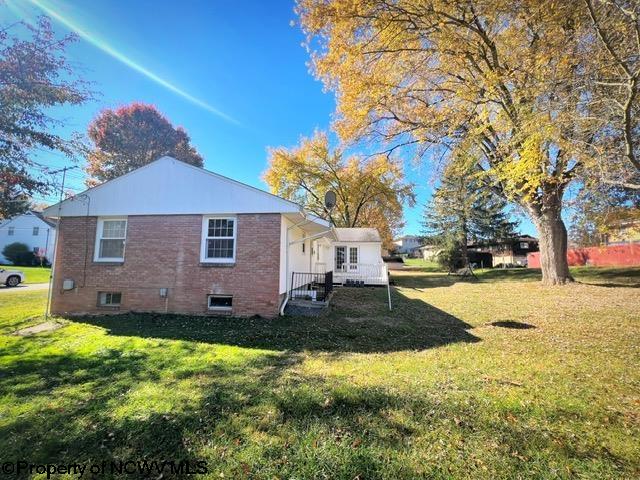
x,y
220,303
109,299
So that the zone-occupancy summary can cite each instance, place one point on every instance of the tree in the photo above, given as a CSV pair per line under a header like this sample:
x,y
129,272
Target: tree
x,y
18,254
499,80
132,136
370,191
461,210
614,84
35,77
599,207
15,187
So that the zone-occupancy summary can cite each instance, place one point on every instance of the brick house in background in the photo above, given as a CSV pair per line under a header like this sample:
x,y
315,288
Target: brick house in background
x,y
171,237
512,251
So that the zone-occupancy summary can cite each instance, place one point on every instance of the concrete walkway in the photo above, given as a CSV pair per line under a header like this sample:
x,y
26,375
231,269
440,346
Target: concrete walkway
x,y
24,287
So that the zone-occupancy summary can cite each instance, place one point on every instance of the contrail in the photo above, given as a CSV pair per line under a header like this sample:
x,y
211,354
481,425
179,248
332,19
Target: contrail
x,y
108,49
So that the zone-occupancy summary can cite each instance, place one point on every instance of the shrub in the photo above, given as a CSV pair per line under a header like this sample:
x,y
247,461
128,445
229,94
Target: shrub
x,y
18,254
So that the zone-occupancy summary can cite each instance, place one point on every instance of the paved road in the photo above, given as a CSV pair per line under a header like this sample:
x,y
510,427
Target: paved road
x,y
24,287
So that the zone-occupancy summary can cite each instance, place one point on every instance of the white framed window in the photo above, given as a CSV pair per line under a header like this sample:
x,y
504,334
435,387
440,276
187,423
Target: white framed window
x,y
340,257
524,245
109,299
11,231
36,231
353,258
220,303
218,239
111,236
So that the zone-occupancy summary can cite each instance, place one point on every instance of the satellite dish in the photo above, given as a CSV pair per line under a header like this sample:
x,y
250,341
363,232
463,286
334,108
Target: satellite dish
x,y
330,200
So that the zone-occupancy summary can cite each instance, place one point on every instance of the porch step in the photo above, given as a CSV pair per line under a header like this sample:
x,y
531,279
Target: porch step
x,y
305,308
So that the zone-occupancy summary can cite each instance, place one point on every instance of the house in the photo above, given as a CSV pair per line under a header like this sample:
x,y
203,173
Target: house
x,y
407,245
32,229
512,251
429,252
171,237
623,230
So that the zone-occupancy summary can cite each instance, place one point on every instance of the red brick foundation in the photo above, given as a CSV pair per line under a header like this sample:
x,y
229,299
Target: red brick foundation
x,y
164,252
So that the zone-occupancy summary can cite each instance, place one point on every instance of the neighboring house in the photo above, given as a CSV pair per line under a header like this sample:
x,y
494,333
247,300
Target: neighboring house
x,y
429,252
171,237
512,251
32,229
408,245
622,231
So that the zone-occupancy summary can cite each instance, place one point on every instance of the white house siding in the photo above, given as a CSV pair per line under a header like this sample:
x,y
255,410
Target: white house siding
x,y
22,226
299,261
171,187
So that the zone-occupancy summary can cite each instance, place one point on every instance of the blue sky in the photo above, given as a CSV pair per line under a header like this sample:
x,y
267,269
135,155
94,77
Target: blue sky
x,y
233,74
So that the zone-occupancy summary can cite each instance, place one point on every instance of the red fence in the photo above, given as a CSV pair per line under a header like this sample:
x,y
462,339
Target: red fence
x,y
609,256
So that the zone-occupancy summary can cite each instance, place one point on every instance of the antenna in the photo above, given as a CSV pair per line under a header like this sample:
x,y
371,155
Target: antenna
x,y
330,200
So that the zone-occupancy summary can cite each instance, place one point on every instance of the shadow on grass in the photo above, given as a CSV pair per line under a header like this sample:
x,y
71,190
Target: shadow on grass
x,y
359,322
513,324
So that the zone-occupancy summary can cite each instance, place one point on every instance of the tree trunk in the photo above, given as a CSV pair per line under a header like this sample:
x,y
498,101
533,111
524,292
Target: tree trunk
x,y
553,246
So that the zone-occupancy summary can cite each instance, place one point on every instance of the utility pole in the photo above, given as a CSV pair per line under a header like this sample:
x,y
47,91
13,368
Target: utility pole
x,y
55,243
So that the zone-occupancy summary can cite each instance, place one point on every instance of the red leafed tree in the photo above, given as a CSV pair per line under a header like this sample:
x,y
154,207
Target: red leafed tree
x,y
131,136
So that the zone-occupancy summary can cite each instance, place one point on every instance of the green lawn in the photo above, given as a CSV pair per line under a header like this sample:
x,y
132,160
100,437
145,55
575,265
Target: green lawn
x,y
497,378
33,274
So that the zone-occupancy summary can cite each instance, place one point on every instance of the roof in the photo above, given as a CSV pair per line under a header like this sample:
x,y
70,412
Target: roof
x,y
41,217
170,187
32,213
357,235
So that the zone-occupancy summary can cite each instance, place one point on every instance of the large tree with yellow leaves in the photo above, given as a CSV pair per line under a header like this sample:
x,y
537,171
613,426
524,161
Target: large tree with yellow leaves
x,y
370,191
503,81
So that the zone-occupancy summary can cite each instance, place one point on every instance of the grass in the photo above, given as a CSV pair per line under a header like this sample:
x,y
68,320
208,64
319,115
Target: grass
x,y
32,274
422,264
498,378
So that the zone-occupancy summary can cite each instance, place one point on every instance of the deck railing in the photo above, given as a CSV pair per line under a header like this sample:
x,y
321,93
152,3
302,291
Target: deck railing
x,y
363,271
311,286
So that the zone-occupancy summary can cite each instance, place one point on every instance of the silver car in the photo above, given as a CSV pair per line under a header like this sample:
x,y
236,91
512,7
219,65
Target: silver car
x,y
11,278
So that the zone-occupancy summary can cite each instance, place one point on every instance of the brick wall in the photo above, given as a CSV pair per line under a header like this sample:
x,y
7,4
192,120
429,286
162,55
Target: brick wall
x,y
164,252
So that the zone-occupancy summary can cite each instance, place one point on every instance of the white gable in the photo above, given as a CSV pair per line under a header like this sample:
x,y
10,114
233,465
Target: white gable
x,y
169,187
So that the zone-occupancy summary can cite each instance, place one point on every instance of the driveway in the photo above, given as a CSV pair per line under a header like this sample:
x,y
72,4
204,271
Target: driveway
x,y
24,287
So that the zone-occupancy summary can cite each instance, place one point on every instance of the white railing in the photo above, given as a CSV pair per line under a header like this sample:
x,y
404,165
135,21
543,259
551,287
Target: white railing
x,y
363,271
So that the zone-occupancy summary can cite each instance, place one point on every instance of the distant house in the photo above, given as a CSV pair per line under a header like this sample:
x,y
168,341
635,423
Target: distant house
x,y
622,231
32,229
508,252
171,237
429,252
408,245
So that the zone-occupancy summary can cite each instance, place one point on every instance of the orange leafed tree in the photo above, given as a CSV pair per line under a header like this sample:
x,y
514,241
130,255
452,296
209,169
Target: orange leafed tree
x,y
370,191
503,81
132,136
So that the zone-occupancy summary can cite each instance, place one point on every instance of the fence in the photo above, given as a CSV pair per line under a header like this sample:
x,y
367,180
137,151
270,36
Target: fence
x,y
311,286
609,256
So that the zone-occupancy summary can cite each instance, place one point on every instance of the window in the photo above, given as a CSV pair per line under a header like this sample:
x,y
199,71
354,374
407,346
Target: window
x,y
220,303
218,240
524,245
36,231
340,257
353,258
109,299
110,240
11,231
303,248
